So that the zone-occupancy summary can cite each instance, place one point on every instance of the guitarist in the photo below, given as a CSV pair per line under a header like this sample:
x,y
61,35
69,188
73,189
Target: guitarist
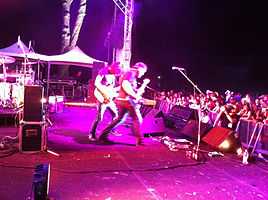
x,y
127,101
105,84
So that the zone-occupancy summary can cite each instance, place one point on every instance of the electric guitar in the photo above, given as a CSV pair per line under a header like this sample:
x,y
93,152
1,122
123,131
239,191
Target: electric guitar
x,y
147,102
143,101
105,94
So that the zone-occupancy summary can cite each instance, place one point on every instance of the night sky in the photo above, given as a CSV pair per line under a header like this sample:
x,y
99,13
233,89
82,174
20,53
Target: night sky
x,y
221,44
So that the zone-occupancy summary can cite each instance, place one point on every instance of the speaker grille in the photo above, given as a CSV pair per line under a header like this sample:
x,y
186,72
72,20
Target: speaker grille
x,y
31,137
33,106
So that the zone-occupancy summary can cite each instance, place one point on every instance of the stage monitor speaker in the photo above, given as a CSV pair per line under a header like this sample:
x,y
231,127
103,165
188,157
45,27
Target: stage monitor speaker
x,y
153,124
184,112
218,136
179,116
41,179
32,137
33,106
191,129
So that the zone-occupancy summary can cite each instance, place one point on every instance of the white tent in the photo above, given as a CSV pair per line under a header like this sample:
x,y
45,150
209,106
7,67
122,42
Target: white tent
x,y
20,50
73,57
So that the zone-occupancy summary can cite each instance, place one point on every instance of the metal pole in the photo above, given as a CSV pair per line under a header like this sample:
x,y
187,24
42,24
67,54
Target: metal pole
x,y
48,78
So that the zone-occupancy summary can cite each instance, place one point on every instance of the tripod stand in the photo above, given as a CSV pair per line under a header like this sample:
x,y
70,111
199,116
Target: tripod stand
x,y
48,121
195,151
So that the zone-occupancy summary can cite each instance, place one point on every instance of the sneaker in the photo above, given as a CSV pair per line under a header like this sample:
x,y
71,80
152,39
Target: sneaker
x,y
92,138
115,133
104,139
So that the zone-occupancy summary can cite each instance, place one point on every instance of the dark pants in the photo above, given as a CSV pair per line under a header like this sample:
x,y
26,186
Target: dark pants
x,y
97,120
124,107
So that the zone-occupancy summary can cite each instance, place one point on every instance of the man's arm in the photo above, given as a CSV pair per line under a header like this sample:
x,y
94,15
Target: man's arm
x,y
129,90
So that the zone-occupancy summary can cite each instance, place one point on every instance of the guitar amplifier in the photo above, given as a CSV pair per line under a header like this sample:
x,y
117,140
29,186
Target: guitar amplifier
x,y
32,136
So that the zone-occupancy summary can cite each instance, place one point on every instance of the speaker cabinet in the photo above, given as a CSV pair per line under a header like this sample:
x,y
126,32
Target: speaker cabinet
x,y
191,129
32,137
184,112
153,124
116,37
179,116
33,106
217,135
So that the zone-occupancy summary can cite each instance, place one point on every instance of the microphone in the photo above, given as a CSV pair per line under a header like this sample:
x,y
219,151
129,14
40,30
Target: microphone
x,y
178,68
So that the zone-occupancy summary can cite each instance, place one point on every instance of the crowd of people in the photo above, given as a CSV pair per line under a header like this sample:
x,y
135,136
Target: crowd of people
x,y
219,109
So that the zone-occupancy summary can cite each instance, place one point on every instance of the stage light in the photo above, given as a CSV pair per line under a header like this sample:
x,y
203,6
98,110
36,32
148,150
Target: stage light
x,y
223,139
43,100
225,145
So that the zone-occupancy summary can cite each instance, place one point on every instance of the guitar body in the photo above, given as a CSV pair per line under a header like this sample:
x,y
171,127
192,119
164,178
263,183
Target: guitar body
x,y
148,102
99,96
143,101
106,94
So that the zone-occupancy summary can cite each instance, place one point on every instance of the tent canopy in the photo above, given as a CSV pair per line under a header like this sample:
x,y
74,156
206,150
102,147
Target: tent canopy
x,y
20,50
73,57
17,49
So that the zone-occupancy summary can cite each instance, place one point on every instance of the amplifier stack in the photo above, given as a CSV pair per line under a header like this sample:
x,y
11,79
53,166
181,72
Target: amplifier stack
x,y
32,129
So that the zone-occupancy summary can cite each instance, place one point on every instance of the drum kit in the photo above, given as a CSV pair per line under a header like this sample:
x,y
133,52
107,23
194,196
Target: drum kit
x,y
12,82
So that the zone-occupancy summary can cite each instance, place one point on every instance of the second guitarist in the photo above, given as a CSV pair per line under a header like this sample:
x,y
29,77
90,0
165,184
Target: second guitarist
x,y
105,91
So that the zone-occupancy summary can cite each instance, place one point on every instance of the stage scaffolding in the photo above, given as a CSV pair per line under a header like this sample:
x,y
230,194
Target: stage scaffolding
x,y
124,54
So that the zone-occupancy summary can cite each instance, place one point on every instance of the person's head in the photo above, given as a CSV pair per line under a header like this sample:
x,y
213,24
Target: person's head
x,y
115,68
141,68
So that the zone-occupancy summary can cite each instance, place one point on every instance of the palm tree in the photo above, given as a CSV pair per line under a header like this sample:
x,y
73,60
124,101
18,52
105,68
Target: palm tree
x,y
69,39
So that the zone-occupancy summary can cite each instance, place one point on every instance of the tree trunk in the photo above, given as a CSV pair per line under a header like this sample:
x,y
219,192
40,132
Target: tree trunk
x,y
66,35
78,23
69,40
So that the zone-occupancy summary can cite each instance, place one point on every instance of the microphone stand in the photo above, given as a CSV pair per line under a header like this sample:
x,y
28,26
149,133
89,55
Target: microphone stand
x,y
2,62
25,60
190,81
195,151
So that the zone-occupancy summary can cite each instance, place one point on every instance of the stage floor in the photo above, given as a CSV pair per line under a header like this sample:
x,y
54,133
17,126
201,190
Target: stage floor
x,y
88,170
